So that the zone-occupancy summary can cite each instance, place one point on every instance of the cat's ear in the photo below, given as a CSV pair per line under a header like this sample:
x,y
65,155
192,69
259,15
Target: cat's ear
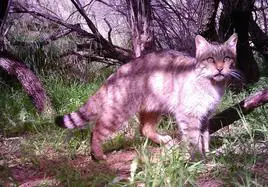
x,y
201,45
231,43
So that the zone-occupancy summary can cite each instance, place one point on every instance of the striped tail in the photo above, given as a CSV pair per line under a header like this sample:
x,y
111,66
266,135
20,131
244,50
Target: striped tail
x,y
73,120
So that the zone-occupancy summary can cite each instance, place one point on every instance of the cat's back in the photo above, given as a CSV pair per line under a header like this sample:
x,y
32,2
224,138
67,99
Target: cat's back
x,y
168,61
165,59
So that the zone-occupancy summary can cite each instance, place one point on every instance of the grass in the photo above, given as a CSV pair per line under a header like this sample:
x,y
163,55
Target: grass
x,y
31,147
238,157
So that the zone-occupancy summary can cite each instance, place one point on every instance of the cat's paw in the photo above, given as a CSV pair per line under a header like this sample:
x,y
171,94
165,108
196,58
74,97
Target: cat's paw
x,y
168,141
165,139
97,157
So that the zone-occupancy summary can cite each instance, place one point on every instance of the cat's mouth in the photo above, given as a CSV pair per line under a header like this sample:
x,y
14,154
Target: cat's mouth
x,y
218,77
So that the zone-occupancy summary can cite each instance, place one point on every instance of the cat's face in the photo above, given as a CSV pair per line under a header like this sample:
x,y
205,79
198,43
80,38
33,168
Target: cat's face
x,y
216,61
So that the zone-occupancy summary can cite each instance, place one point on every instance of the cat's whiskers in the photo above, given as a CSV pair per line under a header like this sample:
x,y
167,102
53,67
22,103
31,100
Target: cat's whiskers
x,y
191,91
236,74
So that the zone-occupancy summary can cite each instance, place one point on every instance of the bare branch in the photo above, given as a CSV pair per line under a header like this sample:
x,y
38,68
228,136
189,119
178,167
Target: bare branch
x,y
207,23
77,10
176,13
113,7
110,30
19,8
92,57
46,40
140,17
90,24
31,84
109,50
232,114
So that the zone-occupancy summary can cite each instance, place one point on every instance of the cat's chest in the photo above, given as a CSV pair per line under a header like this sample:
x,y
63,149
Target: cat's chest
x,y
199,99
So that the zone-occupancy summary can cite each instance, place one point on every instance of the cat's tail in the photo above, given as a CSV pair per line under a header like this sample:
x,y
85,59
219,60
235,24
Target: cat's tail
x,y
75,119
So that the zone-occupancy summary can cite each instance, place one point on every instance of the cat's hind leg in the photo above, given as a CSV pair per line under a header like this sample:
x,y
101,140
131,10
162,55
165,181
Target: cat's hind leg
x,y
98,136
103,129
148,126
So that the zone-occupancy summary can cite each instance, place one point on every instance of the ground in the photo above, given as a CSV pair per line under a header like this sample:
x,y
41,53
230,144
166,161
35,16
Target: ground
x,y
45,167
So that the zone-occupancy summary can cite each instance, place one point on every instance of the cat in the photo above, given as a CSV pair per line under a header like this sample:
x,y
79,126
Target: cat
x,y
189,88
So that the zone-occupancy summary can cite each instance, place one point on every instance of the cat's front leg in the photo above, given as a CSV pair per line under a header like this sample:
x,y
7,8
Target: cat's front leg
x,y
194,135
205,138
149,122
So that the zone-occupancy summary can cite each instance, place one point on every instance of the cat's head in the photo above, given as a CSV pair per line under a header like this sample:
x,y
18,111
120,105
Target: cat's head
x,y
216,61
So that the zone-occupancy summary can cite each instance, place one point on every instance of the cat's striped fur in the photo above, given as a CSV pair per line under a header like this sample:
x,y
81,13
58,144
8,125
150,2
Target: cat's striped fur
x,y
161,82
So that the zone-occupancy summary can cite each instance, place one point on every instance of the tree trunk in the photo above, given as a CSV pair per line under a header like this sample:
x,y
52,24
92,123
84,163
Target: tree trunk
x,y
140,17
4,7
236,16
29,81
226,27
258,37
245,60
207,27
234,113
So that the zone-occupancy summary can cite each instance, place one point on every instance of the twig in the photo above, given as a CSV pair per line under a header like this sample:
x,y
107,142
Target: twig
x,y
110,30
92,57
111,51
90,24
77,10
19,8
46,40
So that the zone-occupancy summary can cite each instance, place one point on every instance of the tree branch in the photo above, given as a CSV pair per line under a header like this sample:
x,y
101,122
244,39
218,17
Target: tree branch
x,y
114,7
19,8
45,41
109,50
31,84
92,57
110,30
90,24
234,112
207,23
77,10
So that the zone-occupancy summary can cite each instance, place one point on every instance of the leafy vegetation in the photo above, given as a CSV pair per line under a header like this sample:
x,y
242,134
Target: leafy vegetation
x,y
33,149
238,156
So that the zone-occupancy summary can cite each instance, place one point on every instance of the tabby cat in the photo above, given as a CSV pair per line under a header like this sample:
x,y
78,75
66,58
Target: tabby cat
x,y
159,83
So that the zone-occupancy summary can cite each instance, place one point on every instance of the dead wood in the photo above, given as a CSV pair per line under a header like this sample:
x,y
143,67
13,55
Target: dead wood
x,y
258,37
234,112
108,50
207,22
140,17
31,84
45,40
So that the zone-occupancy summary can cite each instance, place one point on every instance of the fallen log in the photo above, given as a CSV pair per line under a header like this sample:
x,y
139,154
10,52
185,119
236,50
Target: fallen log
x,y
30,82
233,113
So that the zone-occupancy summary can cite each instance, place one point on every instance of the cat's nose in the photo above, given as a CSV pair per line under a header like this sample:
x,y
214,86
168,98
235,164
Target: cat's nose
x,y
219,69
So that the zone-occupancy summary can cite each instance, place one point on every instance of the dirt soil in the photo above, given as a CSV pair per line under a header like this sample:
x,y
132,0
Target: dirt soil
x,y
16,170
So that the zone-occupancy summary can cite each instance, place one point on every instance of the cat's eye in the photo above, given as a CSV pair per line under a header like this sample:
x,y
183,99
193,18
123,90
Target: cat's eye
x,y
211,60
227,59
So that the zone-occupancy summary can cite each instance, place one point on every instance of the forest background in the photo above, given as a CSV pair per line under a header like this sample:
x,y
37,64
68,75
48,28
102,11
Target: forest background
x,y
55,54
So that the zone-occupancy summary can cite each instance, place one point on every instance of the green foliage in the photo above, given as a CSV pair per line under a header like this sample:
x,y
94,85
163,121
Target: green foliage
x,y
169,168
236,155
